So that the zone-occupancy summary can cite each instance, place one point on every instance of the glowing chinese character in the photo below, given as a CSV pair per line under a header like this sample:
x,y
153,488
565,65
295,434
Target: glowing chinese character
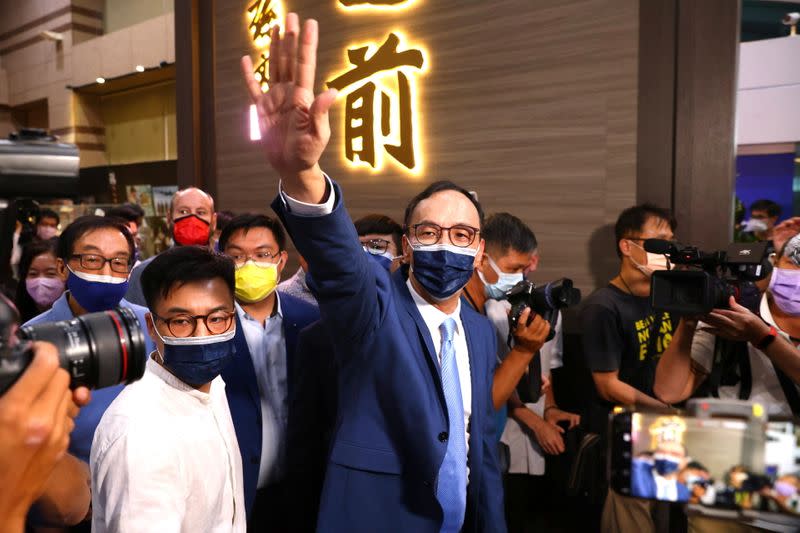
x,y
263,15
349,3
360,119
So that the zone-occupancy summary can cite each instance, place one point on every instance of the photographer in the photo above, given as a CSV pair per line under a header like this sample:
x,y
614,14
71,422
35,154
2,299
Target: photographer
x,y
623,337
36,418
532,429
735,353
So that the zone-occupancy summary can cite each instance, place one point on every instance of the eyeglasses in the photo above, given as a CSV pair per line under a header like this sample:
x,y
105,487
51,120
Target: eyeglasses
x,y
459,235
120,265
260,257
185,325
375,246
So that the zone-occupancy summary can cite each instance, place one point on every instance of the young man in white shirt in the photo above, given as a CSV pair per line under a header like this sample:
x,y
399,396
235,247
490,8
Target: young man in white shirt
x,y
165,456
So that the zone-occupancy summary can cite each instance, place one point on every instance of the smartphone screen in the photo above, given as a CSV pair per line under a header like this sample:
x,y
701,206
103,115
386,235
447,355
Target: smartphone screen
x,y
725,463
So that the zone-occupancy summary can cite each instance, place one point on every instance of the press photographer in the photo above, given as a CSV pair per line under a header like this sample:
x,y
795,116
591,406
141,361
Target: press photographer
x,y
734,353
38,366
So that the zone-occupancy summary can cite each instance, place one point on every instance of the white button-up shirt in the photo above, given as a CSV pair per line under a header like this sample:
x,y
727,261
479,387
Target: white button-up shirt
x,y
165,458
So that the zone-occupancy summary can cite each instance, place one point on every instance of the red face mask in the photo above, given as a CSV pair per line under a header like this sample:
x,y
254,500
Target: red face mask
x,y
191,230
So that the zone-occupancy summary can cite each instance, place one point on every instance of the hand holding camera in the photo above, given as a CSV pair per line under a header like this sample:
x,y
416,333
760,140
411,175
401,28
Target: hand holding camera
x,y
736,323
36,418
531,333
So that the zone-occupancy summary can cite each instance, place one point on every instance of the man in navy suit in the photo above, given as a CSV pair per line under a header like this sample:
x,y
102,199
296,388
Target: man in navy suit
x,y
414,446
258,380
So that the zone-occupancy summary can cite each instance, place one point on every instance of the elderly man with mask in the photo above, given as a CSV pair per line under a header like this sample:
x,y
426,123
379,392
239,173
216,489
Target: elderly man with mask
x,y
165,456
414,445
192,220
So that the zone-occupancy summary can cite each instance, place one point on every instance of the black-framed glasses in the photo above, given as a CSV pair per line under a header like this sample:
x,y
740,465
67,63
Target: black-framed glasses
x,y
258,257
184,325
375,246
120,265
460,235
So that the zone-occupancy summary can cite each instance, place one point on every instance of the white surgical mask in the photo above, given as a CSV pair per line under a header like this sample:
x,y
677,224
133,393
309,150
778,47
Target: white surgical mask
x,y
505,281
654,261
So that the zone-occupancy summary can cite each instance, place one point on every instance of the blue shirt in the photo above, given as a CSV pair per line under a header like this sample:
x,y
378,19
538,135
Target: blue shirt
x,y
267,345
80,442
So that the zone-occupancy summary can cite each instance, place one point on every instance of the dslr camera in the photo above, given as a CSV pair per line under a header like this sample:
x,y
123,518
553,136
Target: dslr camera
x,y
98,350
545,300
708,279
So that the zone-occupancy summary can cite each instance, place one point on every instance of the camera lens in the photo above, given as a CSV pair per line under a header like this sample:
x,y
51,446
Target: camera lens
x,y
99,349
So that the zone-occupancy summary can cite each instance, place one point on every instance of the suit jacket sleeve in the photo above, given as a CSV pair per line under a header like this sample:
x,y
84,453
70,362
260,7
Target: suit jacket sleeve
x,y
492,517
347,284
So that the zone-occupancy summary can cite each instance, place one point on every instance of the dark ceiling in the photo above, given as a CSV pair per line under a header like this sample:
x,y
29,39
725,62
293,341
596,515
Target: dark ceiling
x,y
761,19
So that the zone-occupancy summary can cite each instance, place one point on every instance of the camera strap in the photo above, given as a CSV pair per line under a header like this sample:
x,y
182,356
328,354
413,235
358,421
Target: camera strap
x,y
789,390
529,387
731,366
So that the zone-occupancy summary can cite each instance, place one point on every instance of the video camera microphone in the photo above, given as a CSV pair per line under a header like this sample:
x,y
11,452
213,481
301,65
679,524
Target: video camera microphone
x,y
660,246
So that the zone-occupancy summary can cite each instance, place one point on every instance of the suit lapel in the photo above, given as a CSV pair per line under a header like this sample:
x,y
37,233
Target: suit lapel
x,y
419,330
244,363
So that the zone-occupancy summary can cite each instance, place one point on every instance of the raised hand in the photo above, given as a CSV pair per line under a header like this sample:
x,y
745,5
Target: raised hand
x,y
531,336
736,323
294,124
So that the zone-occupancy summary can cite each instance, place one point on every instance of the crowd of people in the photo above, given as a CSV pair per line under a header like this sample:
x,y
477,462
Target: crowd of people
x,y
378,387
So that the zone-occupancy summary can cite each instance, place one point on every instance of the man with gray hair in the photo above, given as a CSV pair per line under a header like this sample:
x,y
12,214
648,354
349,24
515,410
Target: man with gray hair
x,y
192,221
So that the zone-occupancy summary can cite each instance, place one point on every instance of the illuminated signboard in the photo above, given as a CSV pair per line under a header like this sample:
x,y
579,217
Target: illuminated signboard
x,y
262,16
381,104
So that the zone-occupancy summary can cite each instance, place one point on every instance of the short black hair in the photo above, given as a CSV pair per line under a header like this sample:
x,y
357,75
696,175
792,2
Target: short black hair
x,y
123,212
47,213
32,250
85,224
382,225
179,265
504,232
249,221
632,220
135,207
696,465
773,209
432,189
223,218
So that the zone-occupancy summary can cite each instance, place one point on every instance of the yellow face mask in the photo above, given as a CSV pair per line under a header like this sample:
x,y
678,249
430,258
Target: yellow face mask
x,y
255,281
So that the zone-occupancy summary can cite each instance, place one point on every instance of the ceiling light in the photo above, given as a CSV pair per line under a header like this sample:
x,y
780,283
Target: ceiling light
x,y
100,80
139,68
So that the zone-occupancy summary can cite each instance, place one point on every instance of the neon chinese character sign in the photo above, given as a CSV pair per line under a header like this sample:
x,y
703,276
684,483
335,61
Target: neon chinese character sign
x,y
381,107
262,16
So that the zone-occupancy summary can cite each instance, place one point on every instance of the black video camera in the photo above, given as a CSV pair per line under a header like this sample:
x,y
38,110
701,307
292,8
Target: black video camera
x,y
98,350
710,279
545,300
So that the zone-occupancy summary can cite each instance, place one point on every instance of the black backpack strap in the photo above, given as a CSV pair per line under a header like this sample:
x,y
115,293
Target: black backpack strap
x,y
730,357
789,390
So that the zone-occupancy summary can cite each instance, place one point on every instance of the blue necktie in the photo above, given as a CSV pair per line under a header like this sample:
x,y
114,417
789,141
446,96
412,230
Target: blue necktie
x,y
451,489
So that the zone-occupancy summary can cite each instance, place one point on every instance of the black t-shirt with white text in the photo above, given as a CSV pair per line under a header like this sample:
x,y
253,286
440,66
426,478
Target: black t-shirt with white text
x,y
623,332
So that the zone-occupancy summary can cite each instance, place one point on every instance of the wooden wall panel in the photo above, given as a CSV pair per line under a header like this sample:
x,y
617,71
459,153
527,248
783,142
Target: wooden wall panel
x,y
533,104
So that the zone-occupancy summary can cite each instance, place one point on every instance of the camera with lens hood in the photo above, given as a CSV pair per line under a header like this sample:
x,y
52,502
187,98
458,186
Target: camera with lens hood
x,y
97,350
545,300
708,280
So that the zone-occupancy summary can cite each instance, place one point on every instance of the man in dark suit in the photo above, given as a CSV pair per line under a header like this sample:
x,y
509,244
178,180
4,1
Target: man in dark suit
x,y
414,446
258,381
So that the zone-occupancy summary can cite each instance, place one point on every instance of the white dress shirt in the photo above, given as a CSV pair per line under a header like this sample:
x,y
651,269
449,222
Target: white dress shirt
x,y
432,316
165,458
766,389
267,345
525,454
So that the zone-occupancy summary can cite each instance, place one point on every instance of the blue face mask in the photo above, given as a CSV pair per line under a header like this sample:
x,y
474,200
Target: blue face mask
x,y
198,360
665,465
443,269
96,292
385,261
505,281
